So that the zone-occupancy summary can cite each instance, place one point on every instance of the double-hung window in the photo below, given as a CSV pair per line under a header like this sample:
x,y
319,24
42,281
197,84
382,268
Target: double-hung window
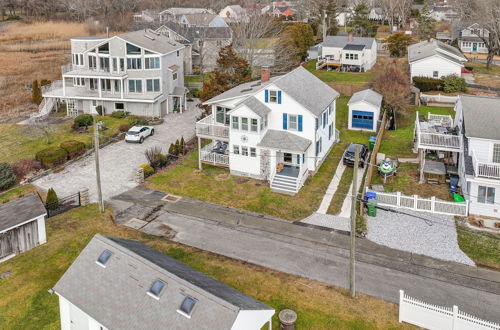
x,y
273,96
486,195
151,63
134,63
135,86
292,122
244,124
496,153
235,122
435,74
253,125
152,85
236,149
253,152
244,151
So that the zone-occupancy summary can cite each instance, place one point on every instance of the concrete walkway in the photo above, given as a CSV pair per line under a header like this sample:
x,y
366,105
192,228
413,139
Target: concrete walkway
x,y
345,211
328,221
332,188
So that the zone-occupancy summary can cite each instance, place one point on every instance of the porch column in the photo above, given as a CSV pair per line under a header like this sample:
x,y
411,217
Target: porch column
x,y
199,154
168,104
185,101
67,110
99,86
122,86
421,158
64,86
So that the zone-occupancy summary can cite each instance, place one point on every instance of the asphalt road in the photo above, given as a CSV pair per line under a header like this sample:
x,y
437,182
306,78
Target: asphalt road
x,y
313,253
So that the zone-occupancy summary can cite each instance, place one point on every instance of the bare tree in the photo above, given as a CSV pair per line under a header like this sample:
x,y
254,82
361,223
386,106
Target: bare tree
x,y
389,9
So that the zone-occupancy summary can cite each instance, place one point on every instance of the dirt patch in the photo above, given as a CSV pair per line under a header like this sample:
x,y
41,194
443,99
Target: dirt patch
x,y
242,180
222,177
166,232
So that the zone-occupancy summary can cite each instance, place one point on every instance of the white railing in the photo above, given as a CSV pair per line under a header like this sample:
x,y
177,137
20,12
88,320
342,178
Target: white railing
x,y
417,203
438,98
444,120
438,140
485,169
208,156
431,316
208,127
66,68
57,84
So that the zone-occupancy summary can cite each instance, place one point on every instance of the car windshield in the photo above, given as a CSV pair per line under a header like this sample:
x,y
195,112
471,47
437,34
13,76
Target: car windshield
x,y
352,148
132,132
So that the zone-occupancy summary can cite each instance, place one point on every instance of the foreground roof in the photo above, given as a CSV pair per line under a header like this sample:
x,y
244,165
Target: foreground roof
x,y
195,32
342,41
151,40
200,19
117,295
481,116
244,89
433,47
284,140
256,106
20,210
367,95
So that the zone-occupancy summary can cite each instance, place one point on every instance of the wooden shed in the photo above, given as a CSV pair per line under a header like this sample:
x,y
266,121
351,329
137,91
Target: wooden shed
x,y
22,226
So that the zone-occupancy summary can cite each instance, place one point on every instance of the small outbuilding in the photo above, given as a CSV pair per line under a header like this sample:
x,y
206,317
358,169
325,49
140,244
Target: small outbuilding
x,y
364,110
22,226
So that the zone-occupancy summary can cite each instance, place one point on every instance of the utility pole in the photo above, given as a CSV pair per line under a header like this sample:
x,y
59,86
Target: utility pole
x,y
324,25
352,248
97,170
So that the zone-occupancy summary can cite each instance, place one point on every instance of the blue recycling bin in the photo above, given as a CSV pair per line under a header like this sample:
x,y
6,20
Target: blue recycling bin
x,y
370,195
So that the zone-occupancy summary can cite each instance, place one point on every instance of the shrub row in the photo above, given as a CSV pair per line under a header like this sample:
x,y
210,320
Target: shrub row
x,y
427,84
449,84
53,156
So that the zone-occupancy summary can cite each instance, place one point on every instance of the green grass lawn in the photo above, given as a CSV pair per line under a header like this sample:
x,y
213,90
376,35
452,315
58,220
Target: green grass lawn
x,y
483,248
479,67
341,192
20,141
354,78
16,192
195,78
26,304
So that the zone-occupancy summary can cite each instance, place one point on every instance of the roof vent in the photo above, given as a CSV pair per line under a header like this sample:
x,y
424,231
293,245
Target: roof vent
x,y
103,258
149,37
256,84
246,90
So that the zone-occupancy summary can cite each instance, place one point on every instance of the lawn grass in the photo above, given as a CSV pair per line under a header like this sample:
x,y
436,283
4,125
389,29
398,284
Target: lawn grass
x,y
341,192
479,67
482,247
355,78
20,141
26,304
16,192
196,78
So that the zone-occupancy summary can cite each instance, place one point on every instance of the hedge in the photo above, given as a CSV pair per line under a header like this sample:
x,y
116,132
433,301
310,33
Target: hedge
x,y
84,120
427,84
52,156
119,114
453,83
73,148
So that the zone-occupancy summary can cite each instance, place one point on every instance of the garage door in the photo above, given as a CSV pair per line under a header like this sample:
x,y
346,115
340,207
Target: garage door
x,y
362,119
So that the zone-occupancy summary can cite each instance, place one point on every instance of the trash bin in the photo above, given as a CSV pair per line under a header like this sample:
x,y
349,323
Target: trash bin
x,y
370,195
371,142
458,198
287,319
372,208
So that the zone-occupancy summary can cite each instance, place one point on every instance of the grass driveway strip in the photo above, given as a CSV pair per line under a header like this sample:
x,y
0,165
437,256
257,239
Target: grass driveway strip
x,y
342,192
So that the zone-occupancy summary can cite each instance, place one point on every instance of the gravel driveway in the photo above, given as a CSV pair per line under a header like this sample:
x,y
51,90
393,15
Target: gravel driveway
x,y
407,233
119,161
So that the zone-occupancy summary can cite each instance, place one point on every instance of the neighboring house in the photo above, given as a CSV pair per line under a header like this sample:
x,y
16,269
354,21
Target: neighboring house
x,y
479,165
434,59
175,14
278,129
234,14
364,110
117,283
284,9
346,53
202,20
148,16
202,43
376,14
139,72
443,13
468,36
22,226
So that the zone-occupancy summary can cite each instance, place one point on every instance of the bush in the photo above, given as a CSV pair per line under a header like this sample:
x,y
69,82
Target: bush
x,y
52,156
52,201
195,92
155,158
45,82
453,83
134,120
100,110
162,160
73,148
172,150
427,84
25,166
148,170
124,127
119,114
83,120
7,176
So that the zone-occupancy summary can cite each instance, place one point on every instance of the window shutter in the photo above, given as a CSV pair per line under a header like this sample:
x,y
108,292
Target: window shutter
x,y
279,97
300,123
317,123
285,119
267,95
298,159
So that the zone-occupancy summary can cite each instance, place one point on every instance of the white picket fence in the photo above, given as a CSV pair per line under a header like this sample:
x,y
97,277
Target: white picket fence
x,y
438,98
417,203
432,317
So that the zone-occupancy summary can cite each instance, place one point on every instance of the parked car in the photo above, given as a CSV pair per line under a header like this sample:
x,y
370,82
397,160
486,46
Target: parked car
x,y
348,158
139,133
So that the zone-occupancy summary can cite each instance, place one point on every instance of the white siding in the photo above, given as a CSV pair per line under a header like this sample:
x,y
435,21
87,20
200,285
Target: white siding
x,y
426,67
73,318
42,236
252,319
491,210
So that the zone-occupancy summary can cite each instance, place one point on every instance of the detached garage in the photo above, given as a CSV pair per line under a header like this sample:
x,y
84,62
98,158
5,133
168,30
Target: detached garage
x,y
364,110
22,226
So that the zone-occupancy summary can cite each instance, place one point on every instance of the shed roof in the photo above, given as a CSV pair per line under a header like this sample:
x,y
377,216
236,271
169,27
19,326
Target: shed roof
x,y
151,40
20,210
116,295
481,116
284,140
367,95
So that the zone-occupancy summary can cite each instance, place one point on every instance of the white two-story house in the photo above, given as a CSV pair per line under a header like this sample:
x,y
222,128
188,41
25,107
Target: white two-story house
x,y
139,72
479,165
278,129
347,53
469,37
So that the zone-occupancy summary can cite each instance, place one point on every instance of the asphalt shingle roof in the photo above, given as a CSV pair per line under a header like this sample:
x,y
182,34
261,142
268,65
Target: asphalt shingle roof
x,y
151,40
20,210
367,95
481,116
433,47
200,19
256,106
116,295
244,89
342,41
284,140
197,32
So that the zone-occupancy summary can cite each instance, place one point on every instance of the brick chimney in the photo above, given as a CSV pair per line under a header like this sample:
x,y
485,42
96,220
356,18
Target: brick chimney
x,y
265,74
349,37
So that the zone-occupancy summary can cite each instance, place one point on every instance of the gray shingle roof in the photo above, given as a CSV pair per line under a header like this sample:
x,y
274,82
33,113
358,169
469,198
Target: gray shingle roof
x,y
197,32
20,210
182,11
284,140
342,41
200,19
256,106
151,40
248,88
433,47
367,95
481,116
116,296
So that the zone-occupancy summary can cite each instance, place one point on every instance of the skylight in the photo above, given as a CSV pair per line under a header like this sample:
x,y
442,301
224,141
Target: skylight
x,y
156,288
104,257
187,306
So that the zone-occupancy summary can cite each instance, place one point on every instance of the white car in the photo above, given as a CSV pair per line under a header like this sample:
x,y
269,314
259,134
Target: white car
x,y
139,133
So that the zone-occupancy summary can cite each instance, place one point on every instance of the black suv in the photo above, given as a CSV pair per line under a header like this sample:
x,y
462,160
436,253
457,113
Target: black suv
x,y
348,158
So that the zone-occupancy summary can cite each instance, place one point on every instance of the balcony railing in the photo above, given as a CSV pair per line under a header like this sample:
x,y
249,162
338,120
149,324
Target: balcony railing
x,y
208,127
436,133
485,169
440,140
207,155
57,84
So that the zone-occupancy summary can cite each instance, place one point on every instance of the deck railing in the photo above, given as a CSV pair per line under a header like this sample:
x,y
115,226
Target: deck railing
x,y
208,156
57,84
438,140
208,127
485,169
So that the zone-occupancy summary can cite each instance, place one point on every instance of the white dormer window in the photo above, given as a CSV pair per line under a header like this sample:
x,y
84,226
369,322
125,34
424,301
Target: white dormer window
x,y
273,96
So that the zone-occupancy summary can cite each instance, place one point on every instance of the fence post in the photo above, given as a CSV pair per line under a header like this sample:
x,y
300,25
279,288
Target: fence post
x,y
84,197
455,317
433,203
401,297
398,198
139,175
415,200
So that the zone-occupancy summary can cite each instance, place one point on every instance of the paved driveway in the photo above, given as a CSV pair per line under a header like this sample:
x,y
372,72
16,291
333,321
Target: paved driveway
x,y
119,161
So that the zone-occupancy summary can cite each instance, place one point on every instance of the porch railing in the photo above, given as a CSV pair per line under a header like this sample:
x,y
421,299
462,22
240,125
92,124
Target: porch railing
x,y
208,156
438,140
485,169
208,127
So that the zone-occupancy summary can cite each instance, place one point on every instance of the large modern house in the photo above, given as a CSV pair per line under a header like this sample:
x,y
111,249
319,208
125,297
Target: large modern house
x,y
480,162
346,53
175,14
434,59
278,129
140,72
118,283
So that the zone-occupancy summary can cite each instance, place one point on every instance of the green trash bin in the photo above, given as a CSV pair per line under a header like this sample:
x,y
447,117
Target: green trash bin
x,y
371,142
372,207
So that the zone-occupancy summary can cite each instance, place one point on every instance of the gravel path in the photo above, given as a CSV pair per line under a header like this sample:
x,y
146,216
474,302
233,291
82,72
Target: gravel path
x,y
407,233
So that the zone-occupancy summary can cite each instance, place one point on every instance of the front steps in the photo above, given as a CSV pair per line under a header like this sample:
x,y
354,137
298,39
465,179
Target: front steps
x,y
285,184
